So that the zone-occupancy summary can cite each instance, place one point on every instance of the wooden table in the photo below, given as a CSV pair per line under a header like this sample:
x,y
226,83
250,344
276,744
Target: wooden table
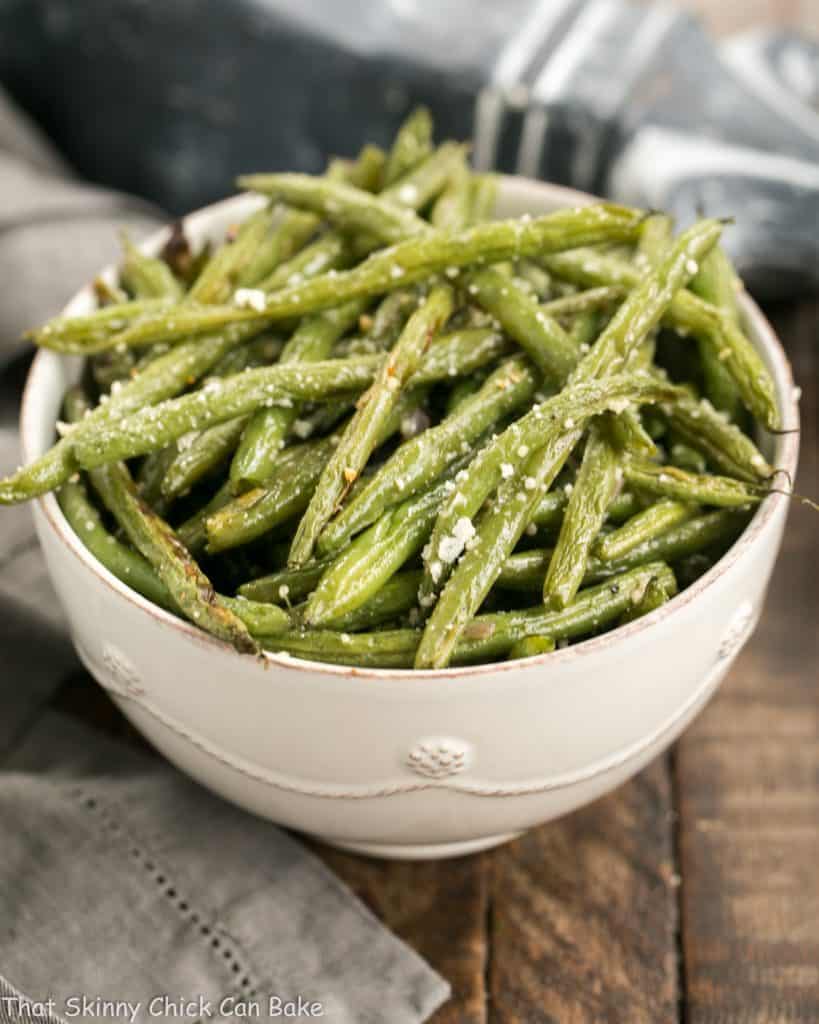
x,y
691,894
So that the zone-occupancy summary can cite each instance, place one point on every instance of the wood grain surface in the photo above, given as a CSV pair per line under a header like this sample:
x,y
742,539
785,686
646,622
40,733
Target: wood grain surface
x,y
584,913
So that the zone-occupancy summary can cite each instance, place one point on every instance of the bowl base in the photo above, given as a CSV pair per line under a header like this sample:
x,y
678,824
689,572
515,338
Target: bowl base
x,y
427,851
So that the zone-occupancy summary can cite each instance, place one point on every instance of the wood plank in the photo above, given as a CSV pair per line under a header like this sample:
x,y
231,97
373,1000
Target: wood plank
x,y
584,915
440,909
747,780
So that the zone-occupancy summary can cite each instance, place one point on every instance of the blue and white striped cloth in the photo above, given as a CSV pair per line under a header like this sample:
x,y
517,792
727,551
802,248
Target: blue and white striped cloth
x,y
637,103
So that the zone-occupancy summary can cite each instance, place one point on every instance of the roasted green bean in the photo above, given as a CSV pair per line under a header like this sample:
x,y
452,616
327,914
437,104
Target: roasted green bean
x,y
373,410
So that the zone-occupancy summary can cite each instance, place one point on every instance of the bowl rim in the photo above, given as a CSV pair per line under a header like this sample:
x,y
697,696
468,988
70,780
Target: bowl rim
x,y
765,513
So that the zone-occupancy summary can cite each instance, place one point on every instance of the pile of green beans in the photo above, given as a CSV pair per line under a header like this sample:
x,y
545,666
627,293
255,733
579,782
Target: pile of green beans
x,y
377,427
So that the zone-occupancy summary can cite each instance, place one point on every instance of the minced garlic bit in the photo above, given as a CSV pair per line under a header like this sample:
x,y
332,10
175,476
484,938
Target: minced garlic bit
x,y
507,470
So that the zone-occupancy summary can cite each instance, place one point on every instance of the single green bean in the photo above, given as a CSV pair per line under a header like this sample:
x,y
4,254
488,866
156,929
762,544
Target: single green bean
x,y
206,452
108,294
531,646
323,256
222,272
697,488
254,513
111,368
94,332
374,408
463,390
367,170
413,143
716,283
538,334
221,400
372,558
347,207
291,231
723,444
286,585
655,238
484,196
396,597
598,479
386,648
419,186
267,430
535,278
162,378
644,525
147,277
590,300
452,208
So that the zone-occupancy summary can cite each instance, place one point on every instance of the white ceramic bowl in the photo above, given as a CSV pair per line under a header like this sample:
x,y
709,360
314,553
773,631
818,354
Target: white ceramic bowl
x,y
401,763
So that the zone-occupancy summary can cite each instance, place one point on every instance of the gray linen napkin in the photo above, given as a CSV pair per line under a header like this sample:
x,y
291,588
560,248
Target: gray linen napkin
x,y
123,880
120,879
55,231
